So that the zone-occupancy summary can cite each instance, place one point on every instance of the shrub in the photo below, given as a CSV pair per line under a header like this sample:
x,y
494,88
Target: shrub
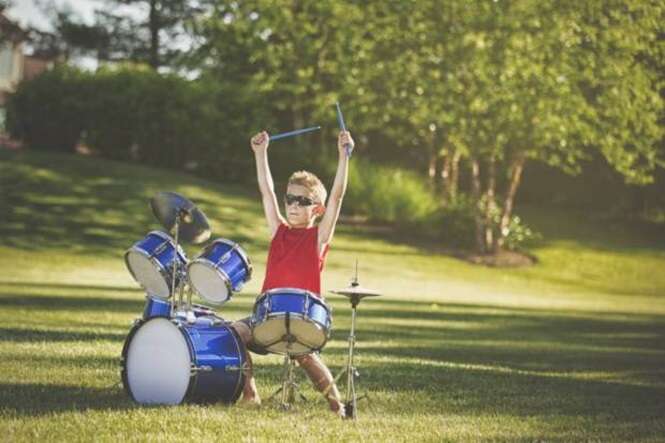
x,y
453,225
519,235
386,194
49,111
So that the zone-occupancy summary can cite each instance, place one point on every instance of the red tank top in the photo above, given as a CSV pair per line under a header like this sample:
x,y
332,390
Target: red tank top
x,y
294,261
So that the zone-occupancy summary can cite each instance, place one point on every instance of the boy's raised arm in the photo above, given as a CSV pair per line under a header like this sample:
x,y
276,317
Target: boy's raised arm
x,y
259,145
329,220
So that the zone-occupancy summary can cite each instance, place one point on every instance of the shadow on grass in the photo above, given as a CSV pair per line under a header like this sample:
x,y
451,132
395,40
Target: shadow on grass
x,y
68,286
36,297
100,207
34,399
17,335
458,358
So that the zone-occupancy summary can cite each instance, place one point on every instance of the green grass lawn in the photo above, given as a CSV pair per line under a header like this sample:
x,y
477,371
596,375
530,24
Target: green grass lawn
x,y
572,348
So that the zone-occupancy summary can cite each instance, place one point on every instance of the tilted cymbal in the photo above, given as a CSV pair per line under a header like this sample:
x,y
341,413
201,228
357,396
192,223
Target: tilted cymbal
x,y
193,224
359,291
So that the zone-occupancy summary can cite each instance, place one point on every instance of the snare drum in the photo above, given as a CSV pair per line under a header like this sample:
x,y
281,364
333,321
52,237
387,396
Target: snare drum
x,y
291,321
170,361
150,261
219,271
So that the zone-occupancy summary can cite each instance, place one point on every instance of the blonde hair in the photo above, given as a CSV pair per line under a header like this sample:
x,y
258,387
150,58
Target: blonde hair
x,y
312,183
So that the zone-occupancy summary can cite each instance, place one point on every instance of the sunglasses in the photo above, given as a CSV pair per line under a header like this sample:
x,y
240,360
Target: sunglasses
x,y
290,199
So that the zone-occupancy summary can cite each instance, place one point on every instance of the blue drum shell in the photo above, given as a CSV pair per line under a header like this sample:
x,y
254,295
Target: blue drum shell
x,y
294,301
166,257
235,268
218,347
212,345
278,301
155,307
152,243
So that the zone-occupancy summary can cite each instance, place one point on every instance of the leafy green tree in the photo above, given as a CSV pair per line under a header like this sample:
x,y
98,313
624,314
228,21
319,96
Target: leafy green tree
x,y
119,33
151,39
488,85
293,56
505,83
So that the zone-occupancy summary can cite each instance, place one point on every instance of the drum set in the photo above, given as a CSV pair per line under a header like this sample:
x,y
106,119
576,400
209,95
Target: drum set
x,y
178,351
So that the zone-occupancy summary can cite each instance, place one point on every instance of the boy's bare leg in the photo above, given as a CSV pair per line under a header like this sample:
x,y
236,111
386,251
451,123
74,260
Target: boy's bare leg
x,y
249,392
322,379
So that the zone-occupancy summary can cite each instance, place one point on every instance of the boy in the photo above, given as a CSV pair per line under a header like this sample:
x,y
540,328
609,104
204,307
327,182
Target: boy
x,y
298,249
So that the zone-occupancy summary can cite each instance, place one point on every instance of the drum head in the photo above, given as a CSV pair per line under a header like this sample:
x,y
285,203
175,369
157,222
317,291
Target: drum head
x,y
209,283
147,274
308,334
158,363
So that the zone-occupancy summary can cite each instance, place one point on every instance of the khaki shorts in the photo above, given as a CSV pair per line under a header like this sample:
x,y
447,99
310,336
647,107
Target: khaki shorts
x,y
255,348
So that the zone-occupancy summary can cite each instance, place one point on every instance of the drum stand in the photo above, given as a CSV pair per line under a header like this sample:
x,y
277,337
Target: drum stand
x,y
179,302
174,269
290,392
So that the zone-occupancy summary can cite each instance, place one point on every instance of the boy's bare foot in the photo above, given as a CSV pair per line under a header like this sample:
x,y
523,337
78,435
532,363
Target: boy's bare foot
x,y
338,408
251,400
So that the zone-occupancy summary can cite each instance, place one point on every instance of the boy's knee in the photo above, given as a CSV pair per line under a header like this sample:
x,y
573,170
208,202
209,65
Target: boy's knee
x,y
243,331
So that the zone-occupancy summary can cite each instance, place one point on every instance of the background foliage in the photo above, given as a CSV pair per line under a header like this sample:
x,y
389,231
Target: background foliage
x,y
468,95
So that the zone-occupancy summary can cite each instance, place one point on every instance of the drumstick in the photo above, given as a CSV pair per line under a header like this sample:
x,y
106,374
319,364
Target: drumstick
x,y
342,126
294,133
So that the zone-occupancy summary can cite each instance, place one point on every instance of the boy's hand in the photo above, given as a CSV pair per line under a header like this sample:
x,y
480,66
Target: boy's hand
x,y
260,141
343,140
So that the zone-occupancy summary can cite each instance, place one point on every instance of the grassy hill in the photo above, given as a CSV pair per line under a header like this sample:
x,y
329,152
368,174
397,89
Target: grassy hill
x,y
568,349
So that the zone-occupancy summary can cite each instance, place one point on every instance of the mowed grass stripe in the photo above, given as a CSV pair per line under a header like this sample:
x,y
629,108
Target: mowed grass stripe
x,y
570,349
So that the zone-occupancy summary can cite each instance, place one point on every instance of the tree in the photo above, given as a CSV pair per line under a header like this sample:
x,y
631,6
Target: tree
x,y
69,36
152,39
506,83
294,57
484,87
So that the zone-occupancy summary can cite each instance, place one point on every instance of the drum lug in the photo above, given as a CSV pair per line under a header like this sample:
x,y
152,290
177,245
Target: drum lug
x,y
307,303
228,253
159,249
204,368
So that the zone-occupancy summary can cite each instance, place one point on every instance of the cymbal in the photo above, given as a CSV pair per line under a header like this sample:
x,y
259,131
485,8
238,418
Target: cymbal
x,y
358,291
193,224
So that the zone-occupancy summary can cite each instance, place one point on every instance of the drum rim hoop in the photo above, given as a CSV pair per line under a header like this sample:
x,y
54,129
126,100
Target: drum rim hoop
x,y
225,278
290,289
125,350
160,269
327,329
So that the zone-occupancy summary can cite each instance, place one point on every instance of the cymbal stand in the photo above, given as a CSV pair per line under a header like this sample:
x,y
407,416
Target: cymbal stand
x,y
177,303
350,370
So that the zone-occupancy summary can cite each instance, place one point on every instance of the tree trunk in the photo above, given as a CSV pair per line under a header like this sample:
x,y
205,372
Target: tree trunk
x,y
475,192
433,168
444,173
154,34
490,205
454,175
515,177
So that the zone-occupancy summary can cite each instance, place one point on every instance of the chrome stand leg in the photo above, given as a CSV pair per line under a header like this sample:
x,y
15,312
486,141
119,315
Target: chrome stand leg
x,y
351,399
174,308
289,390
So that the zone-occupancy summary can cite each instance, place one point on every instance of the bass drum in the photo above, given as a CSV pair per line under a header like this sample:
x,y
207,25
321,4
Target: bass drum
x,y
171,361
